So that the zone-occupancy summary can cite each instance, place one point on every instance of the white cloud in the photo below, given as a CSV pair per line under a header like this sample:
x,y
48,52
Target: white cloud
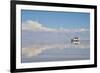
x,y
33,25
30,25
36,26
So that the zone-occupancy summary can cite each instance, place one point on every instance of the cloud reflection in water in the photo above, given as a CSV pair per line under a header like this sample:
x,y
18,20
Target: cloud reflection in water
x,y
34,51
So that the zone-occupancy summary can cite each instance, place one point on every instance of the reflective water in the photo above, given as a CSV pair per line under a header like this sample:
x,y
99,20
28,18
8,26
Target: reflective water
x,y
44,46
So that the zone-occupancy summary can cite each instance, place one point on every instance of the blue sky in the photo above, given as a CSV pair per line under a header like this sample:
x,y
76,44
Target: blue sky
x,y
40,31
52,19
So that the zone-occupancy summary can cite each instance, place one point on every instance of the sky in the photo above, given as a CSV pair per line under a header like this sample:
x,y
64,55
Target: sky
x,y
53,19
42,29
